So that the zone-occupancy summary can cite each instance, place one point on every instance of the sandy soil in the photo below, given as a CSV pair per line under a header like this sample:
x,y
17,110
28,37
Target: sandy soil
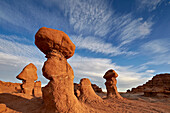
x,y
132,103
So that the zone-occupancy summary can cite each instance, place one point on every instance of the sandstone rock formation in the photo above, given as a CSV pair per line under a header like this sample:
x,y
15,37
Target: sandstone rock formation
x,y
2,108
96,88
110,83
87,93
159,84
28,76
58,94
37,89
9,87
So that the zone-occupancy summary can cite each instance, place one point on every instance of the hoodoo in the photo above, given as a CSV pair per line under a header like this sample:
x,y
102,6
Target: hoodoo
x,y
58,94
28,76
110,83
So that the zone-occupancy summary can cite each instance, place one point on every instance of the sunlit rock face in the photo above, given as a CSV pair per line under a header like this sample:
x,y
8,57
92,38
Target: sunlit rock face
x,y
37,89
87,94
58,94
28,76
110,83
158,84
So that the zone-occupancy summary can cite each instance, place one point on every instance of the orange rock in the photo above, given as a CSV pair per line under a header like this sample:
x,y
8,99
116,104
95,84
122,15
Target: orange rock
x,y
28,73
47,40
9,87
110,83
87,93
159,84
37,89
2,108
58,94
28,76
110,73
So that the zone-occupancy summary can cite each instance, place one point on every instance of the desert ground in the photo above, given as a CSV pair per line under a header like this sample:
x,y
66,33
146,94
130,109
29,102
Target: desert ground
x,y
132,103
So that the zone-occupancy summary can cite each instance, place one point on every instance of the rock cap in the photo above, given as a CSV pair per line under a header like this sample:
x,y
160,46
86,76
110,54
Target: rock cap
x,y
47,40
28,73
109,74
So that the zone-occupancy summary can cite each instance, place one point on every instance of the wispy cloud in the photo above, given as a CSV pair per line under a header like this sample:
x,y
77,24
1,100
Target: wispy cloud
x,y
129,29
159,50
98,45
156,46
91,18
29,16
148,4
8,46
95,68
101,21
15,55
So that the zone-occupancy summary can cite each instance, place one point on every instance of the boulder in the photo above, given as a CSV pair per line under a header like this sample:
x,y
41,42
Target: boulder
x,y
110,83
37,89
87,93
28,76
47,40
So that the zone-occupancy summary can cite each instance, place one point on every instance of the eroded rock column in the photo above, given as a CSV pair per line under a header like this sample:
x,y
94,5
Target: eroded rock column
x,y
37,89
58,94
110,83
28,76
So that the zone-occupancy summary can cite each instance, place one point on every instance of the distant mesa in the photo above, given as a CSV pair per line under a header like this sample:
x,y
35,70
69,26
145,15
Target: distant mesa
x,y
158,84
110,83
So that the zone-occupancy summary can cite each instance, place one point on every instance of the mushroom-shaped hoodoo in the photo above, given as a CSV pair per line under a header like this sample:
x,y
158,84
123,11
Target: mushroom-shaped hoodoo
x,y
110,83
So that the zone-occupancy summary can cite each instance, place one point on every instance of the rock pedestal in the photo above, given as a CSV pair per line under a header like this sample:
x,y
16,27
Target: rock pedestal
x,y
28,76
58,94
37,89
110,83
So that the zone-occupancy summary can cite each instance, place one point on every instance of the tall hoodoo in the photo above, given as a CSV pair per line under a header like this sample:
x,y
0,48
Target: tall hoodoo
x,y
28,76
58,95
110,83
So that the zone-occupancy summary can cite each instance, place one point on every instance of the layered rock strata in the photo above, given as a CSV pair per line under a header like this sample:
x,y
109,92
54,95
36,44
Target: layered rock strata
x,y
158,84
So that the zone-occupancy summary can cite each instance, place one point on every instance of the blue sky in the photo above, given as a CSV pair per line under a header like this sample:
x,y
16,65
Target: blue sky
x,y
129,36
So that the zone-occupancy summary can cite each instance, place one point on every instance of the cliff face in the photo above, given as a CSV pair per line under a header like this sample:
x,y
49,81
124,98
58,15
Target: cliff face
x,y
158,84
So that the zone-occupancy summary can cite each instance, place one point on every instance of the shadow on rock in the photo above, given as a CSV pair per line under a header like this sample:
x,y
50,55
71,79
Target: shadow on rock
x,y
20,104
